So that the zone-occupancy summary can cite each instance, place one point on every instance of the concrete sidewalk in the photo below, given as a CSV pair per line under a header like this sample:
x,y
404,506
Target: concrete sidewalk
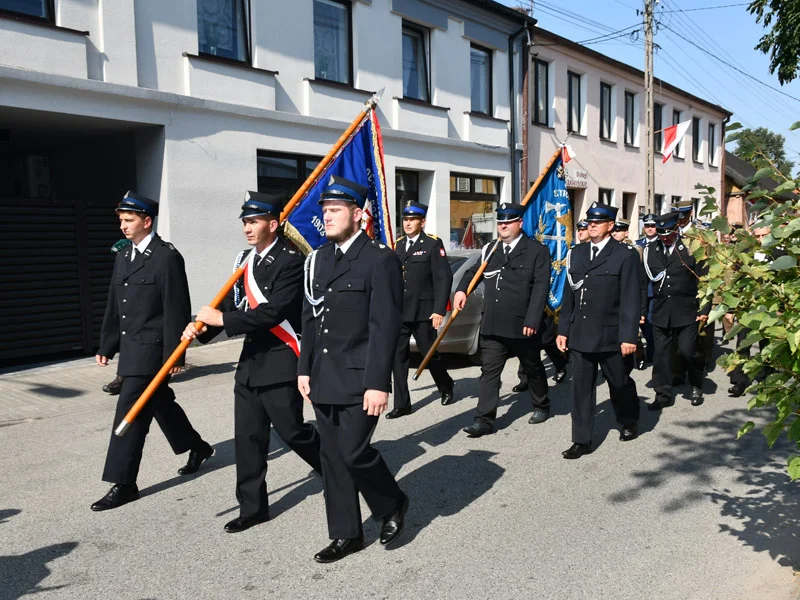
x,y
684,512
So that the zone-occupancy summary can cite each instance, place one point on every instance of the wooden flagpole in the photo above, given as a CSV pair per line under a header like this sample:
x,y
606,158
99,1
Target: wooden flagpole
x,y
134,411
479,273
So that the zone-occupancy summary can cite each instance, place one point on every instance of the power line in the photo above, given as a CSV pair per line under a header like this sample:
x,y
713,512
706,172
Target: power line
x,y
683,10
614,35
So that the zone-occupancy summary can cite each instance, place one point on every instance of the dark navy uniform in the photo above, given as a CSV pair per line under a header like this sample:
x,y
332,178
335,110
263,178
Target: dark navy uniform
x,y
674,277
516,285
147,310
600,311
351,323
427,280
265,392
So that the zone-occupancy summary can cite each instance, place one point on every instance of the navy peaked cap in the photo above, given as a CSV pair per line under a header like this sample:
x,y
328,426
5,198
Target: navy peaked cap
x,y
340,188
601,212
415,209
259,204
133,202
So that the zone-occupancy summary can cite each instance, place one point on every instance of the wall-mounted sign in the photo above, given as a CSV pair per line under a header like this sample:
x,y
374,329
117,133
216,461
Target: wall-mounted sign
x,y
576,178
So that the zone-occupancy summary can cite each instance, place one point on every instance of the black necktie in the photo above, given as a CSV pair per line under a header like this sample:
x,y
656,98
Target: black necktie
x,y
594,252
339,254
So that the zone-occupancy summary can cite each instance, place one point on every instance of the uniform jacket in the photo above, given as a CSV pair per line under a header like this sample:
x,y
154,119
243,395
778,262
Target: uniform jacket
x,y
265,359
516,296
350,346
675,302
147,310
604,312
427,277
644,290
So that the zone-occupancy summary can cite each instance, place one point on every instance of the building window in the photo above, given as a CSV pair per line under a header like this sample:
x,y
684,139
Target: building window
x,y
282,174
332,33
676,118
406,187
696,139
675,200
712,144
541,92
574,103
628,200
658,204
42,9
630,118
605,111
696,206
222,28
658,125
605,196
481,78
415,63
473,199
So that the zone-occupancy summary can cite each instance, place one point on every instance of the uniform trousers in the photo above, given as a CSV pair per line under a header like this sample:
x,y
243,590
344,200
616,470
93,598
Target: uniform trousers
x,y
125,453
558,358
685,339
617,371
425,335
351,465
255,409
495,351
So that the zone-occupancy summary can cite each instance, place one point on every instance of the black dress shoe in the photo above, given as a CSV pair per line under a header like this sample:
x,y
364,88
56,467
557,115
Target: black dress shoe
x,y
697,396
118,495
522,386
113,387
393,524
659,404
576,451
560,376
478,429
243,523
737,390
447,397
196,458
398,412
338,549
629,432
539,415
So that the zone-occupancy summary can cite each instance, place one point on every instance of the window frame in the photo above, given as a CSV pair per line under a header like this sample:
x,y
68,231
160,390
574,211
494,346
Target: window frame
x,y
49,7
676,119
696,140
630,125
490,56
424,35
605,111
712,144
472,195
658,127
350,74
605,192
658,203
572,76
248,48
537,118
302,166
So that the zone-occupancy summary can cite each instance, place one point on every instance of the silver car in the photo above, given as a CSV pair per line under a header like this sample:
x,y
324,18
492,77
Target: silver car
x,y
462,337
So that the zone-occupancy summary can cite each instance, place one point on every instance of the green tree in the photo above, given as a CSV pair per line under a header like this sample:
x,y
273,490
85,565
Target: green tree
x,y
764,297
762,148
782,42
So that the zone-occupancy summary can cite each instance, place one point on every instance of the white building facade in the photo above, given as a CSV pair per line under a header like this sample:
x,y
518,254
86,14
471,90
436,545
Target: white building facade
x,y
597,105
194,102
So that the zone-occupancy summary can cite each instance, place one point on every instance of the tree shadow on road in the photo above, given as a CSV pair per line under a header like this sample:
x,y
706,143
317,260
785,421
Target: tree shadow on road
x,y
5,513
766,514
54,391
21,575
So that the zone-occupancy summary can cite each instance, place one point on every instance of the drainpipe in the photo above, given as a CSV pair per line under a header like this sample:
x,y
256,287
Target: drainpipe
x,y
723,202
512,150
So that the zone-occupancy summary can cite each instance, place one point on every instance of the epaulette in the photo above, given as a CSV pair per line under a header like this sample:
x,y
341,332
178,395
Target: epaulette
x,y
430,235
628,246
120,245
402,237
379,244
170,246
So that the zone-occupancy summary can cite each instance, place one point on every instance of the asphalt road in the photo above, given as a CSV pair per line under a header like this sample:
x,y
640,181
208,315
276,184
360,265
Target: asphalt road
x,y
684,512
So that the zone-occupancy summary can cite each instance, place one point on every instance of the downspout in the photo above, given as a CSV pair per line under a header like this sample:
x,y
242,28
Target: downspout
x,y
512,146
723,201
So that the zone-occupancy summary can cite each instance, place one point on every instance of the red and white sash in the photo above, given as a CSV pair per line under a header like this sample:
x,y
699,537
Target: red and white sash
x,y
284,331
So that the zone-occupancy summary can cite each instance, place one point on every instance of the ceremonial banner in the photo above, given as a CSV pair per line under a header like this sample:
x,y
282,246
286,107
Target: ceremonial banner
x,y
359,160
548,218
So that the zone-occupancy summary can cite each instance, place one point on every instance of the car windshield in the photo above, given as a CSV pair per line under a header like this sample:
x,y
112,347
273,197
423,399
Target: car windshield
x,y
456,262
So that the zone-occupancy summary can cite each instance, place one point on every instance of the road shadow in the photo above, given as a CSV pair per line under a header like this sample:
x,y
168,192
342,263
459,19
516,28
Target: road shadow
x,y
54,391
202,370
441,489
21,575
5,513
766,514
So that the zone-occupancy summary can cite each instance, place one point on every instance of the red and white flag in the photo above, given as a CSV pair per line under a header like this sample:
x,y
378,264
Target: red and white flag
x,y
567,153
284,331
468,241
673,136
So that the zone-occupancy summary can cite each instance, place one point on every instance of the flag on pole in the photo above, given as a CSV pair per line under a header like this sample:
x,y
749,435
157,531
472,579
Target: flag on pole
x,y
548,218
359,160
673,136
468,241
567,153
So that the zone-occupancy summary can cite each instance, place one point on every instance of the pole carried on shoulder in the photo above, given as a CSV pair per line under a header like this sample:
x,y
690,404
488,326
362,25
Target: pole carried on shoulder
x,y
363,114
479,273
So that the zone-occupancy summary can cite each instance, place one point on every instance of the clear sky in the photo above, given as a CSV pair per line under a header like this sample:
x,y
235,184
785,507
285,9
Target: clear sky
x,y
729,34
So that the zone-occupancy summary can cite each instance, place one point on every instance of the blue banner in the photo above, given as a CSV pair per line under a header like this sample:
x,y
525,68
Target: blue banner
x,y
359,160
548,218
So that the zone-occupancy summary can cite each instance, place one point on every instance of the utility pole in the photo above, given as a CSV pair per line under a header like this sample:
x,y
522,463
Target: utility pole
x,y
650,182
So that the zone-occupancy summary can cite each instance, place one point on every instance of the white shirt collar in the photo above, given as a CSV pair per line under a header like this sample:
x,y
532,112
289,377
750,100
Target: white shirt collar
x,y
601,245
344,246
413,240
512,243
142,246
266,250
